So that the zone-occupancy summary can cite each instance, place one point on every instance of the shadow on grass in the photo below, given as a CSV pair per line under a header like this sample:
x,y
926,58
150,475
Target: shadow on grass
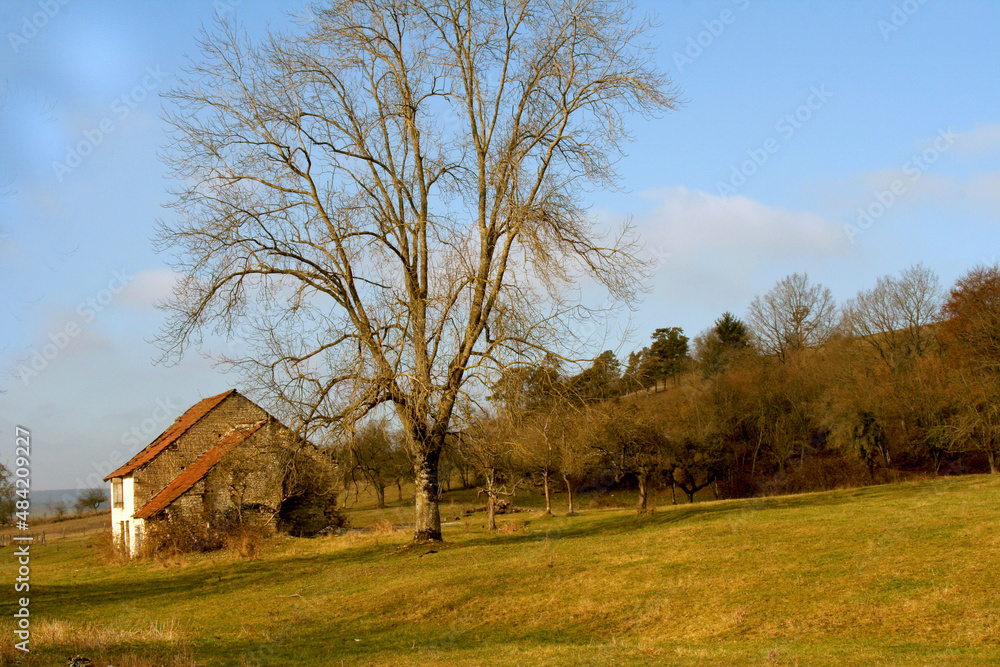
x,y
622,521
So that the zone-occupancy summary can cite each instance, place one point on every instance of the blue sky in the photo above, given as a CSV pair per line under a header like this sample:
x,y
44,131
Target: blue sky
x,y
845,139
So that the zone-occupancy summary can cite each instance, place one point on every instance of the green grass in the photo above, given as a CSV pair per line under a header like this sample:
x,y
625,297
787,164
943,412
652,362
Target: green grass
x,y
903,574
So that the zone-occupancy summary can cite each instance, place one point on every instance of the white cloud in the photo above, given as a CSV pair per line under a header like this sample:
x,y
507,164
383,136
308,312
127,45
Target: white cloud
x,y
148,288
700,227
714,253
980,140
918,181
977,193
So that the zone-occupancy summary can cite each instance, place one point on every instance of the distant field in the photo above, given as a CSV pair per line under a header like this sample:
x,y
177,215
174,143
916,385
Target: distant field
x,y
43,502
889,575
67,527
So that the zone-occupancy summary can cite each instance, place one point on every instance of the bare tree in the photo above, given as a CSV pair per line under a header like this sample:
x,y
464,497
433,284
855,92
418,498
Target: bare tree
x,y
548,440
91,499
387,205
893,316
578,459
375,457
976,426
631,444
793,315
59,508
497,460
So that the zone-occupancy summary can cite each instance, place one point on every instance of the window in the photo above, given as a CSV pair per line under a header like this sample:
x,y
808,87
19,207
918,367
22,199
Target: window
x,y
117,497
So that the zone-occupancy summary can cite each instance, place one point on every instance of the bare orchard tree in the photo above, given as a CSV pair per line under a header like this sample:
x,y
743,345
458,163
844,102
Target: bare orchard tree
x,y
498,460
893,316
793,315
90,499
387,204
375,458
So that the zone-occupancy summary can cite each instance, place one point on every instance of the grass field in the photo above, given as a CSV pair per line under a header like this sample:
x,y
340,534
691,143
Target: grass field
x,y
903,574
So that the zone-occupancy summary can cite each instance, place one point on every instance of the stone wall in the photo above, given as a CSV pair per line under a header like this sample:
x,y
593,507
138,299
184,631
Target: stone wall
x,y
153,477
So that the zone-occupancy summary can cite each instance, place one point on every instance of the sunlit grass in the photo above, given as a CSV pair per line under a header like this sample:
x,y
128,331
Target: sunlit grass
x,y
900,574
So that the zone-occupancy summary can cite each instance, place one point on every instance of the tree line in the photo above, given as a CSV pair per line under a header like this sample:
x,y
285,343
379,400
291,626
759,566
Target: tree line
x,y
802,394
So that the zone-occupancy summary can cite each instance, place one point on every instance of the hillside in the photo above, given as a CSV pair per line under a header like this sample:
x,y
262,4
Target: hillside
x,y
901,574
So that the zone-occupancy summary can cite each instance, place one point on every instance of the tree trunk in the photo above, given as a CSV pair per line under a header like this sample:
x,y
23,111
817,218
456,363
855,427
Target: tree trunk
x,y
491,512
569,493
428,516
673,490
992,457
641,509
379,495
545,483
399,489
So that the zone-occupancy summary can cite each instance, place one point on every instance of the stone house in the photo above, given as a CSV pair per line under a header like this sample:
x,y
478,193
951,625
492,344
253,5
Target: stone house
x,y
225,459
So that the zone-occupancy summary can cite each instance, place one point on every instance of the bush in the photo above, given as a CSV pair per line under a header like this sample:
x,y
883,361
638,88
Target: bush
x,y
245,540
107,548
823,473
381,527
306,514
165,539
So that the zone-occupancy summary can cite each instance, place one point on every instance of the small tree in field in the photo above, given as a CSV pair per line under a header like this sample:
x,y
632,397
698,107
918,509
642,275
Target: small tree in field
x,y
387,204
497,459
631,444
578,458
59,508
539,437
372,454
91,499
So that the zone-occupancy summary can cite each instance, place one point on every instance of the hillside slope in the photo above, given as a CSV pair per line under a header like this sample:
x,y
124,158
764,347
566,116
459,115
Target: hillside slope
x,y
902,574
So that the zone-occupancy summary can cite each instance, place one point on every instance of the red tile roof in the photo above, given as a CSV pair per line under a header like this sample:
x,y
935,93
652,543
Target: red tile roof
x,y
176,430
197,470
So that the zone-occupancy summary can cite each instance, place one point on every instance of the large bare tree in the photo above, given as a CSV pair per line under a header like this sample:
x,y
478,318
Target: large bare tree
x,y
388,202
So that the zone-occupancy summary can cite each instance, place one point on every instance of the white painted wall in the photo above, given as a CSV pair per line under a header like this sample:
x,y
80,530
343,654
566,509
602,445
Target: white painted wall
x,y
134,527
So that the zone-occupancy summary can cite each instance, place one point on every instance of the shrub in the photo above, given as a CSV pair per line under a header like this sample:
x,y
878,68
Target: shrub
x,y
306,514
381,527
823,473
245,540
165,539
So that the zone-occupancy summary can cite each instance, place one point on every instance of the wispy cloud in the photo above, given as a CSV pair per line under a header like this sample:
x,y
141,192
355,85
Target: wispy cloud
x,y
693,225
983,139
148,287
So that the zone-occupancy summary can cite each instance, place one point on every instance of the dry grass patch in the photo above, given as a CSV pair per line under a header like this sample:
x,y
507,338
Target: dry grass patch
x,y
102,644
